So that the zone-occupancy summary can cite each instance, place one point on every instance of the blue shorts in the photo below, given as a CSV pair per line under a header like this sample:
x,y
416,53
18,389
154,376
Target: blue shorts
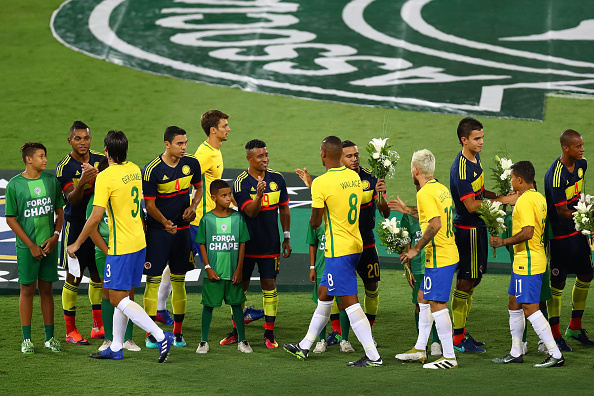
x,y
124,271
268,267
437,283
526,288
340,275
195,245
163,248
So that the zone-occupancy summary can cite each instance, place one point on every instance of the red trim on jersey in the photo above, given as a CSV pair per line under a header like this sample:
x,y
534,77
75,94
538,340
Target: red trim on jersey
x,y
284,203
271,207
472,194
363,206
465,227
368,246
67,185
179,228
561,203
262,255
245,203
197,184
566,236
149,197
180,192
573,199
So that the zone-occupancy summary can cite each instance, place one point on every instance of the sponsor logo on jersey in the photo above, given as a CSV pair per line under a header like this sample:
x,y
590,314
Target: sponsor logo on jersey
x,y
405,54
186,170
165,177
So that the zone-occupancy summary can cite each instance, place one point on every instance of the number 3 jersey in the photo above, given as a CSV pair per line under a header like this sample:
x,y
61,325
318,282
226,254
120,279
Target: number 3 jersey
x,y
118,189
169,188
264,231
339,192
434,200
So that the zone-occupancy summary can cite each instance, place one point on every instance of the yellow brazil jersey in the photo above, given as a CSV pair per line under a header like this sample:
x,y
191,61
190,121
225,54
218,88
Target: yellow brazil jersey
x,y
435,200
530,211
118,189
211,165
339,191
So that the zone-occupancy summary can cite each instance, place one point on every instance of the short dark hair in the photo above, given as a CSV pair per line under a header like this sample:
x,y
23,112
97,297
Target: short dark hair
x,y
78,125
348,143
332,145
116,144
525,170
103,164
217,185
567,137
211,119
171,132
30,148
466,126
255,143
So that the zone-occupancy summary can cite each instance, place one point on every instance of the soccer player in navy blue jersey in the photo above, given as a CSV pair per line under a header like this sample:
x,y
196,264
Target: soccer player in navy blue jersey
x,y
76,173
569,249
467,186
166,188
262,197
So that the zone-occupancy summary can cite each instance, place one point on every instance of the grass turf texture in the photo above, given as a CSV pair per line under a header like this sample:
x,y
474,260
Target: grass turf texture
x,y
47,86
224,370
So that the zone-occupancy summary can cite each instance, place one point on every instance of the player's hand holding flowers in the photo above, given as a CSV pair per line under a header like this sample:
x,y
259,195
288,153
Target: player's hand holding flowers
x,y
493,217
382,160
583,217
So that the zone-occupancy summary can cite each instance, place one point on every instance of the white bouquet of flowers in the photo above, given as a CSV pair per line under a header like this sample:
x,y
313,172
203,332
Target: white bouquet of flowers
x,y
502,175
583,217
382,160
493,217
392,236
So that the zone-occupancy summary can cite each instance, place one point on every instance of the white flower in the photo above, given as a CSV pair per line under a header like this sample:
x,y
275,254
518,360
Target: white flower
x,y
581,207
506,174
506,164
585,220
405,234
500,220
387,163
586,232
375,155
378,144
501,213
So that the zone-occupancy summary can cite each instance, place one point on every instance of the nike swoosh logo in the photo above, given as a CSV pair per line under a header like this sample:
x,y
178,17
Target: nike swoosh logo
x,y
106,281
218,166
331,289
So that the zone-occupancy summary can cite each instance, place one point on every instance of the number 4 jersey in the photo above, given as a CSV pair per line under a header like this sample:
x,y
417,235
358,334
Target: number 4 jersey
x,y
339,192
118,189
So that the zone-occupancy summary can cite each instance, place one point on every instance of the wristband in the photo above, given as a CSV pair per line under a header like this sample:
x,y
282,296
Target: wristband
x,y
207,266
312,267
57,233
287,234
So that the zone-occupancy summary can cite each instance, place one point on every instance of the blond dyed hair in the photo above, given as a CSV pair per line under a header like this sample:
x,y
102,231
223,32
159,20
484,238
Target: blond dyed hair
x,y
424,161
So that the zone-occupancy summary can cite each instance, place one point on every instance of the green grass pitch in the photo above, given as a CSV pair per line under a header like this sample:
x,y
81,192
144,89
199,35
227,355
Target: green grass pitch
x,y
45,87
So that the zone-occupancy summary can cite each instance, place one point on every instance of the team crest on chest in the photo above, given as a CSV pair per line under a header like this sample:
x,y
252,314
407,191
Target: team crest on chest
x,y
273,186
186,170
366,184
223,227
37,191
580,173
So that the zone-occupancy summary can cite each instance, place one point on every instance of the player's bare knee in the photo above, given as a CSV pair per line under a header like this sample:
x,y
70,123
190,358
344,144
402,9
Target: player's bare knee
x,y
585,277
372,287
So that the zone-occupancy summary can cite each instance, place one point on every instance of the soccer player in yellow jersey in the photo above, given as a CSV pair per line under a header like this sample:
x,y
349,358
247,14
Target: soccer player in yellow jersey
x,y
435,207
530,262
335,199
119,190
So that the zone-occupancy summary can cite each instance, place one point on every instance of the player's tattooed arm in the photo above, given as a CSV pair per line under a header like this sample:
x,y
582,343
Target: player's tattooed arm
x,y
525,234
399,206
432,228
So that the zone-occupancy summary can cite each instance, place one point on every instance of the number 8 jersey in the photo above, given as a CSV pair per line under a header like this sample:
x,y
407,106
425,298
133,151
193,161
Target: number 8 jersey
x,y
118,189
339,192
435,200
